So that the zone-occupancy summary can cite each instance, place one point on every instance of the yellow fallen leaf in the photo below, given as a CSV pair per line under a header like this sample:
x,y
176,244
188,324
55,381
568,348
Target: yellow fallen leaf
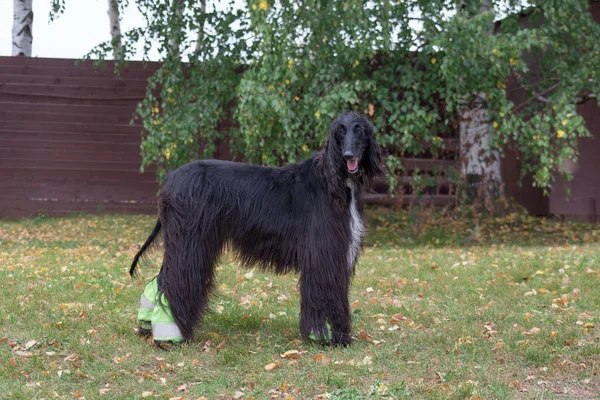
x,y
291,354
321,358
394,319
270,366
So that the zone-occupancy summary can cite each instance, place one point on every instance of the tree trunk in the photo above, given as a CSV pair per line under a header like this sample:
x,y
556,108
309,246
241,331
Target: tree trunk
x,y
480,165
22,36
174,41
115,29
200,29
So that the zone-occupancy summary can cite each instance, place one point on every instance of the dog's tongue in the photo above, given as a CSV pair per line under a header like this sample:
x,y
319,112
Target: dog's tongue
x,y
352,164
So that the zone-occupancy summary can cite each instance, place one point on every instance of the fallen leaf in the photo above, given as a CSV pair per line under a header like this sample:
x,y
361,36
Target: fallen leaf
x,y
322,359
519,386
271,366
396,318
149,376
182,388
30,344
364,335
531,332
71,357
295,354
238,395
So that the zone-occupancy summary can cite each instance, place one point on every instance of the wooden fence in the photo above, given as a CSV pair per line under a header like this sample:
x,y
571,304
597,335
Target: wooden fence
x,y
66,144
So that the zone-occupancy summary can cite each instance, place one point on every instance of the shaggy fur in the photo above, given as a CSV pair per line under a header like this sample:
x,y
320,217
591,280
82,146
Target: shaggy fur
x,y
303,217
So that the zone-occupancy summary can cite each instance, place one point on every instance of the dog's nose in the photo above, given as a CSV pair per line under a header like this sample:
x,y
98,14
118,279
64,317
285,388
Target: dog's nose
x,y
348,155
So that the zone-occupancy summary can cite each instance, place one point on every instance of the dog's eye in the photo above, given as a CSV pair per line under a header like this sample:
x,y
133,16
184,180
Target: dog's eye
x,y
340,131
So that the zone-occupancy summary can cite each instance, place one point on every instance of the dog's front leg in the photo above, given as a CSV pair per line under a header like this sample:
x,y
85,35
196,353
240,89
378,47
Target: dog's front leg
x,y
324,307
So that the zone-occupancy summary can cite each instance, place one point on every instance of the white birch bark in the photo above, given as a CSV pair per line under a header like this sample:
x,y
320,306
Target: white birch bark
x,y
174,40
22,36
115,29
200,29
477,159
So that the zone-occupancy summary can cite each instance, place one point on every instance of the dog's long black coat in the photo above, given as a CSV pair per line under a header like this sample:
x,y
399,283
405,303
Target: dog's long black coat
x,y
303,217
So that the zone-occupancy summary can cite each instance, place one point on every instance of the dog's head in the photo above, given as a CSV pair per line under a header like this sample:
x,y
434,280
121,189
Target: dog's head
x,y
351,137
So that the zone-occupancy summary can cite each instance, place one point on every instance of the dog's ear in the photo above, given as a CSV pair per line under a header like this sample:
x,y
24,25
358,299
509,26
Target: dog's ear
x,y
333,161
372,161
333,164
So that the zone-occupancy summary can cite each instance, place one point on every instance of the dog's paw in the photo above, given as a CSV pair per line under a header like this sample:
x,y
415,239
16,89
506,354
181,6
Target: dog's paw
x,y
343,341
144,328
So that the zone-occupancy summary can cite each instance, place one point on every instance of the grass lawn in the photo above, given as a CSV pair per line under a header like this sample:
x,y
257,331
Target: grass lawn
x,y
503,308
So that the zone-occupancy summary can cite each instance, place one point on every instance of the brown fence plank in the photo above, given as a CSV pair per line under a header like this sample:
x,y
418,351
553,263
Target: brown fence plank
x,y
16,136
75,72
73,81
10,142
72,91
35,115
25,98
66,126
116,155
30,173
53,106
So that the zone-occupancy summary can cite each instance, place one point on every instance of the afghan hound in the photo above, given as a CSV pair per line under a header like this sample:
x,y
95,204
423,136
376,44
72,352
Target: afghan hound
x,y
304,217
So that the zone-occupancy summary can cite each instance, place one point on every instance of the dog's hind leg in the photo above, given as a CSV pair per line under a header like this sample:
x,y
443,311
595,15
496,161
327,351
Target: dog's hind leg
x,y
187,275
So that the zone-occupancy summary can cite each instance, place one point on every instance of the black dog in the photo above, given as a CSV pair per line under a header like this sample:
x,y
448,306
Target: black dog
x,y
303,217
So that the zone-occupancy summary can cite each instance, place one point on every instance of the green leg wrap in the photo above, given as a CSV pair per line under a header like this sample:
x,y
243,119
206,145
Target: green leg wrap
x,y
154,316
164,328
147,305
328,338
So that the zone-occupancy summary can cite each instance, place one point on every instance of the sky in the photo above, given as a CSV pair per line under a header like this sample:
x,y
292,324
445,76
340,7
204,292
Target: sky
x,y
83,25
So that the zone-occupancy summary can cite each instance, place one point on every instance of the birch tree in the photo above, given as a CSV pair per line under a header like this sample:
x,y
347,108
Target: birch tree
x,y
22,36
284,69
480,163
115,29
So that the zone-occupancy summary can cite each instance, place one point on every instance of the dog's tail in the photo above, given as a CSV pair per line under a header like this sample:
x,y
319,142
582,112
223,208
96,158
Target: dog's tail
x,y
147,243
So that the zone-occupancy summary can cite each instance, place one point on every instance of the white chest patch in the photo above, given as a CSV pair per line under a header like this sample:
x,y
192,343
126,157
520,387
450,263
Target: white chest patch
x,y
357,229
